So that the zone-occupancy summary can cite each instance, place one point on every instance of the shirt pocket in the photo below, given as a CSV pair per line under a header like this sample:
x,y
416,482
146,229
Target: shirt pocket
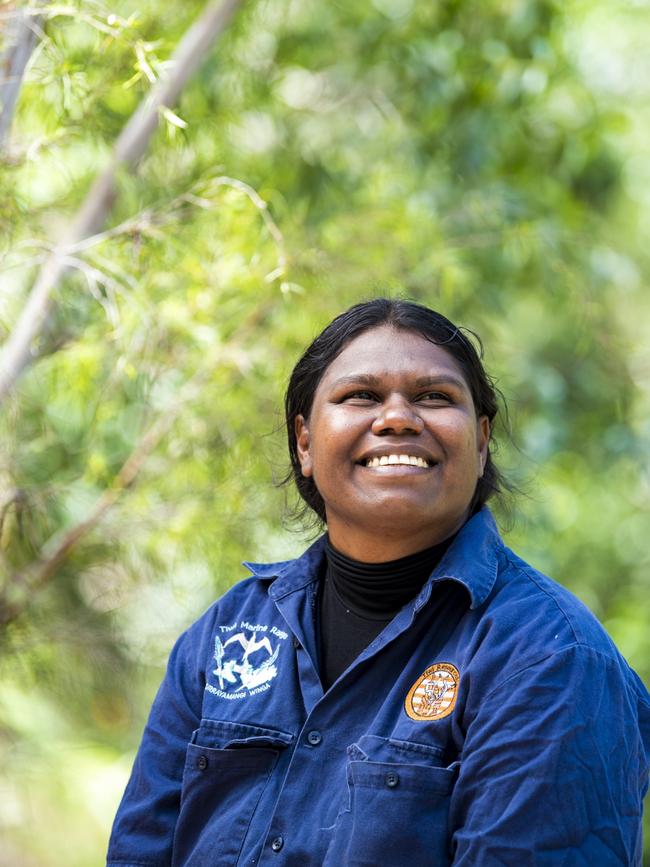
x,y
227,767
398,811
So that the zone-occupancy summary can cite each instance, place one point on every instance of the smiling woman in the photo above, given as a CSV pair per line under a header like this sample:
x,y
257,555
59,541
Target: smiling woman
x,y
408,690
395,463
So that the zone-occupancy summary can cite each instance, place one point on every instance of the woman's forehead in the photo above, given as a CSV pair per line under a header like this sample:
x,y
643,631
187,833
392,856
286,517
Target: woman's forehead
x,y
386,351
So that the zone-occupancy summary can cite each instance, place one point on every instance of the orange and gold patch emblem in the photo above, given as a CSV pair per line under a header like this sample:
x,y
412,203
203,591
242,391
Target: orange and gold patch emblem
x,y
433,695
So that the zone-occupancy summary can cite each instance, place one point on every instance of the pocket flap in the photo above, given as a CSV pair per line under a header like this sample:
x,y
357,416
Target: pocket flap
x,y
380,749
403,778
222,735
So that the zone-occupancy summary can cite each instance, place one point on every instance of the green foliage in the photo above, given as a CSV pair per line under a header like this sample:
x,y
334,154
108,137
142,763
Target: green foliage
x,y
479,158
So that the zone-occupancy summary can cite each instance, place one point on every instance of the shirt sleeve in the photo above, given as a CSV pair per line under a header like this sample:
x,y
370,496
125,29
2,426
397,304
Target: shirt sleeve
x,y
143,829
554,768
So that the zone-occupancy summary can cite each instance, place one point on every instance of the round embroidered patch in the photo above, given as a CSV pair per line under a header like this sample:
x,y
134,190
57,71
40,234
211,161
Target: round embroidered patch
x,y
433,695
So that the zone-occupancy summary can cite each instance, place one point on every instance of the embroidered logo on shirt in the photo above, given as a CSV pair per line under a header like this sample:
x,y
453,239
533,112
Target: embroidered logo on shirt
x,y
246,662
433,695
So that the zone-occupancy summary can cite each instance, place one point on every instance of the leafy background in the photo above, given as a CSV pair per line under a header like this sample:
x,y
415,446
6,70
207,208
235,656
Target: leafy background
x,y
489,160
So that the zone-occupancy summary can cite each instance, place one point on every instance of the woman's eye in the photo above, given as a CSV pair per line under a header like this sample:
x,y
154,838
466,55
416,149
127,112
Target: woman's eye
x,y
434,397
360,395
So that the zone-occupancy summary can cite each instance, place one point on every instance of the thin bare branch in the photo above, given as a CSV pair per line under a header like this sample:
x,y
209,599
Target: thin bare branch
x,y
20,37
161,214
129,148
11,498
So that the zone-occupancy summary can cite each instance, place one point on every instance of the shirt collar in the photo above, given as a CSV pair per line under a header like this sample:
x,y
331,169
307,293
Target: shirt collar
x,y
291,575
471,560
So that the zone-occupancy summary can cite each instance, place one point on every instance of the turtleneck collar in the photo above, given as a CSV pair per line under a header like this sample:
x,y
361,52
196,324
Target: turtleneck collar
x,y
377,591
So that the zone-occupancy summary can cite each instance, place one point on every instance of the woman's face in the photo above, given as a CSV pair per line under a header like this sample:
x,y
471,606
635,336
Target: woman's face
x,y
393,444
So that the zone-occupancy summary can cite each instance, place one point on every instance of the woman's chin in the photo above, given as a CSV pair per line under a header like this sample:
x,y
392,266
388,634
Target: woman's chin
x,y
400,518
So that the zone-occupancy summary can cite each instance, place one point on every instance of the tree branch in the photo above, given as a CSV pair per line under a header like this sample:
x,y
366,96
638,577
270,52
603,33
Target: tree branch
x,y
129,149
21,587
35,577
20,38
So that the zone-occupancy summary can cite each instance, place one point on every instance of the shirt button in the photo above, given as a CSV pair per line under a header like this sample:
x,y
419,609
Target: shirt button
x,y
314,738
277,844
392,779
202,763
296,643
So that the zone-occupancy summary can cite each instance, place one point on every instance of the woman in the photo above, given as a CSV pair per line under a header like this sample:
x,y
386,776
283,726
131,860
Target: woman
x,y
408,691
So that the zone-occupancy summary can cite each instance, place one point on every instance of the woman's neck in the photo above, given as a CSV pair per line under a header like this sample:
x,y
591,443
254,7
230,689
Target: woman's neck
x,y
385,547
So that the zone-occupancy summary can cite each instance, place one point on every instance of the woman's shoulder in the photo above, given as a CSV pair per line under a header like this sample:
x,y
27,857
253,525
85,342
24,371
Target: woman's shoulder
x,y
542,617
533,638
245,605
516,605
549,605
247,596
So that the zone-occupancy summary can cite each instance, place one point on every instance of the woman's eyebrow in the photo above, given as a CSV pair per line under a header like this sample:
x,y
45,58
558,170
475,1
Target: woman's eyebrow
x,y
421,382
357,379
444,379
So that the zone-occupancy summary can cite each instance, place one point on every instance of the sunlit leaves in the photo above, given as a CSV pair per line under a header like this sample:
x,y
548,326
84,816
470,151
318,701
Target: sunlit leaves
x,y
486,159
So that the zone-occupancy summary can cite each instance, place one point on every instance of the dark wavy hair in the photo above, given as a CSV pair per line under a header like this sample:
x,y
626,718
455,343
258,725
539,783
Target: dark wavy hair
x,y
406,316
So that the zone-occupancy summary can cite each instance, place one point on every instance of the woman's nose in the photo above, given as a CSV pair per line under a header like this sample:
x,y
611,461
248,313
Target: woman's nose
x,y
396,415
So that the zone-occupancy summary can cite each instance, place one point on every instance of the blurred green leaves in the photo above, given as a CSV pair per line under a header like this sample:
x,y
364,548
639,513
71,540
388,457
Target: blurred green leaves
x,y
487,160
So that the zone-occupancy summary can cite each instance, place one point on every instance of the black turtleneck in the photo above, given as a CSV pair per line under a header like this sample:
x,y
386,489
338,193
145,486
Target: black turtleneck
x,y
359,599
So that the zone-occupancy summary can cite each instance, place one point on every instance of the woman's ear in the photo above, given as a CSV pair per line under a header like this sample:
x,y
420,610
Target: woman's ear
x,y
302,445
483,442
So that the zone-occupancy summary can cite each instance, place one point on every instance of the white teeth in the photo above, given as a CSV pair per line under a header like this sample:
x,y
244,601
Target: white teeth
x,y
392,460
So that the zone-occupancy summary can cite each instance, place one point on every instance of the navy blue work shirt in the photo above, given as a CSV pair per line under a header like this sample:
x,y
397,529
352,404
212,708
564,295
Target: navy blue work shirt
x,y
492,722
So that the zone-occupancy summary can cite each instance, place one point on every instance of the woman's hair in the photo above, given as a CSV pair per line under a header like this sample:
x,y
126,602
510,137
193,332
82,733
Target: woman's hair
x,y
406,316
